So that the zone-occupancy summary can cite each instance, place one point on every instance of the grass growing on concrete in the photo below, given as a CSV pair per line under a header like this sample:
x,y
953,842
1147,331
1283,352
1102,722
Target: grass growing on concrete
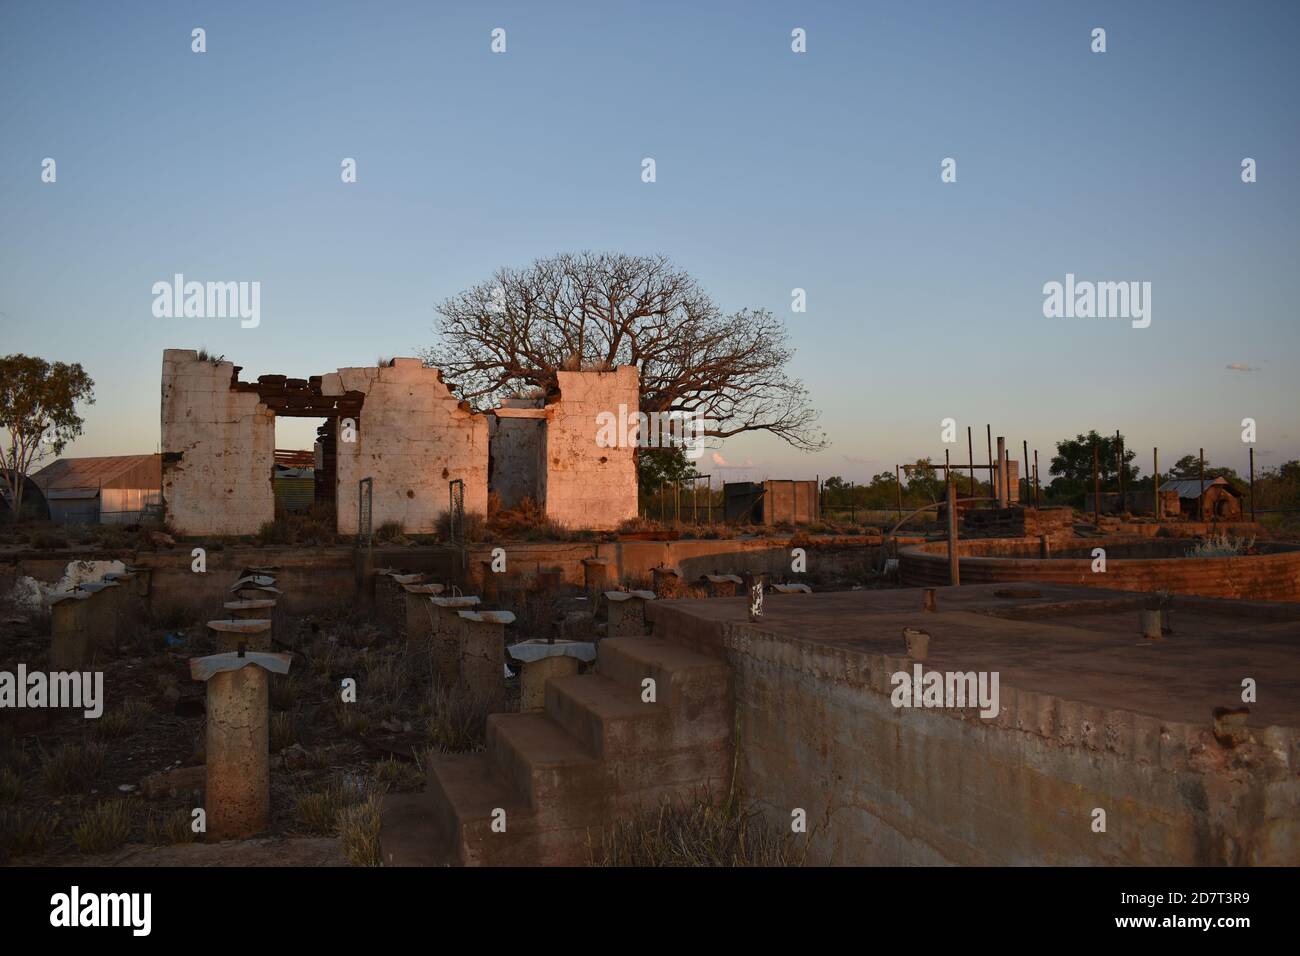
x,y
698,833
105,827
1221,545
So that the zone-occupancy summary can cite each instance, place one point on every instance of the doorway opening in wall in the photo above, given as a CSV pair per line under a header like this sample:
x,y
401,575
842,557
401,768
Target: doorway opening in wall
x,y
303,479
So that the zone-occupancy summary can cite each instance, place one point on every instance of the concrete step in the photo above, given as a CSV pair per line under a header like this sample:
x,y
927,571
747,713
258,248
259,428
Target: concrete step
x,y
690,684
608,716
409,834
561,779
461,797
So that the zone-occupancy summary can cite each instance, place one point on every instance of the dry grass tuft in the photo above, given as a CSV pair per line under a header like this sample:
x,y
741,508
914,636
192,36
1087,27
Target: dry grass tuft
x,y
24,832
698,833
318,813
458,719
359,831
105,826
170,826
73,767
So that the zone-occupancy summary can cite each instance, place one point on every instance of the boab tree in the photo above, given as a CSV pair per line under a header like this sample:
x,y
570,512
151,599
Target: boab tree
x,y
590,311
38,414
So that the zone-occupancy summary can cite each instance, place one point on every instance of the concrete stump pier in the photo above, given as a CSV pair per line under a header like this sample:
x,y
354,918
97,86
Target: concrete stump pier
x,y
447,632
418,626
238,776
130,608
253,633
550,579
483,655
543,660
70,647
491,584
625,613
723,585
252,608
595,572
667,583
103,613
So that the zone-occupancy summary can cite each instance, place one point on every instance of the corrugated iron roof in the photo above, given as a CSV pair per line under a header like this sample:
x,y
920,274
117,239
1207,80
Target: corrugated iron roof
x,y
77,473
1191,487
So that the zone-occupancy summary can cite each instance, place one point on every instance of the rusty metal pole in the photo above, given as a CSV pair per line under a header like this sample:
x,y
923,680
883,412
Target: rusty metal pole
x,y
970,456
1036,478
1155,464
1025,462
1096,486
1252,482
989,430
1200,502
954,571
1119,468
898,482
1003,496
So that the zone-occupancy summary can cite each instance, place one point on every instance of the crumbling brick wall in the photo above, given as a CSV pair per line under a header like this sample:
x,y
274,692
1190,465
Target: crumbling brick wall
x,y
218,449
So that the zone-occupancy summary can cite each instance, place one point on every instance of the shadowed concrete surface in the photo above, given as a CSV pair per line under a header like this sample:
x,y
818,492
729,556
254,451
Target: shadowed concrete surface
x,y
1103,749
1095,727
1080,643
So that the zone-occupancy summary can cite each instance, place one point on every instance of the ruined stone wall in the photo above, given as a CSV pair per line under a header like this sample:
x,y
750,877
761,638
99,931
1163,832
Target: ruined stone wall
x,y
218,449
413,438
587,486
936,787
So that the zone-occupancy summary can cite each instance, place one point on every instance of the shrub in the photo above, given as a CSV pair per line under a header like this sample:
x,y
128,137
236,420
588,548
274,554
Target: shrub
x,y
1221,545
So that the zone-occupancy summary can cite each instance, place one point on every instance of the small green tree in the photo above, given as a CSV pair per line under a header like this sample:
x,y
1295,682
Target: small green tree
x,y
1072,464
38,413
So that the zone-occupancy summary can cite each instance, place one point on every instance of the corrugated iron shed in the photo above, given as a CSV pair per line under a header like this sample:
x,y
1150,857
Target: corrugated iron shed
x,y
115,471
1191,487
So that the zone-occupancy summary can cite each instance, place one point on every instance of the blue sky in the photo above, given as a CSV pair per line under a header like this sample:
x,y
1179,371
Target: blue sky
x,y
775,171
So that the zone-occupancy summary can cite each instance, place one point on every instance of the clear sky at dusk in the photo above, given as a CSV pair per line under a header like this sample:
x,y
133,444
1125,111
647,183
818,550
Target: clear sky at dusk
x,y
775,170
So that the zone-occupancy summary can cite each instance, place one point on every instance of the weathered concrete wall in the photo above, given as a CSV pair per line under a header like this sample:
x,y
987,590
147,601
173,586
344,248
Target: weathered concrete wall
x,y
218,449
518,456
1270,576
413,438
890,786
588,486
634,560
793,502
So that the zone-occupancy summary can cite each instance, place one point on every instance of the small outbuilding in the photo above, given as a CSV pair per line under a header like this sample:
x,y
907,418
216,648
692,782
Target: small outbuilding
x,y
1185,496
120,489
